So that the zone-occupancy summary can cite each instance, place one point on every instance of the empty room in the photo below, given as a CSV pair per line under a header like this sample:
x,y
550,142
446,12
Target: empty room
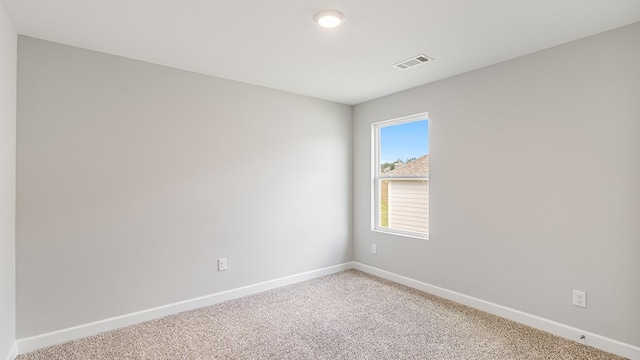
x,y
409,179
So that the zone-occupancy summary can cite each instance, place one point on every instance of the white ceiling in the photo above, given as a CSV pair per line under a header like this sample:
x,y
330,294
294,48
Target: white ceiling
x,y
276,44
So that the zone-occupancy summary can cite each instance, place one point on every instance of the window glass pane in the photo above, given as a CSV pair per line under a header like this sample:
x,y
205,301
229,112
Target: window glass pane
x,y
402,144
402,181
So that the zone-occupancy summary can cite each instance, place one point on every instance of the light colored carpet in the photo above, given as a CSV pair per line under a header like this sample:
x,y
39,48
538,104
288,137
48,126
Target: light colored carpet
x,y
349,315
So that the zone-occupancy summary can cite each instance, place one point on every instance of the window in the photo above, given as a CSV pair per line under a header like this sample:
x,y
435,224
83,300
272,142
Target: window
x,y
401,176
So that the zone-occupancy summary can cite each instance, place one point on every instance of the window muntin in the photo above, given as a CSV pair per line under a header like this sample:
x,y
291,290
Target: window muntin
x,y
401,176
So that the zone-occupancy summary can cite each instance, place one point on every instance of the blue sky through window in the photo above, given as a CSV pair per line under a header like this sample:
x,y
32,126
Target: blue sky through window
x,y
404,141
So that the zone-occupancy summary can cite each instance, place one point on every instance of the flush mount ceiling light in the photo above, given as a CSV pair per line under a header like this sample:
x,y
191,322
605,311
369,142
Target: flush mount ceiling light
x,y
329,18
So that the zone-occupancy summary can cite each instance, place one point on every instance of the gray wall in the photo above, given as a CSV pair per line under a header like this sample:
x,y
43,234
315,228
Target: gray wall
x,y
8,59
133,179
533,182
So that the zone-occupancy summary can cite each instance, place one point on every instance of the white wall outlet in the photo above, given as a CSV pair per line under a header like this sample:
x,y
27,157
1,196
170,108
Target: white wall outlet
x,y
374,249
580,298
222,264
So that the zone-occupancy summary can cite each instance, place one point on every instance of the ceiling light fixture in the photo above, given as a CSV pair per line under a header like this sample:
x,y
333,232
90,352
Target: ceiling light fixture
x,y
329,18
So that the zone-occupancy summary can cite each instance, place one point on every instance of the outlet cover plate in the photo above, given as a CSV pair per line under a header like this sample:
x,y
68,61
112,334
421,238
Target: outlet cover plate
x,y
222,264
580,298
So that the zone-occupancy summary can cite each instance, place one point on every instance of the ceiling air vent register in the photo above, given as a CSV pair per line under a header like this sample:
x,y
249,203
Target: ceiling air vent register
x,y
414,61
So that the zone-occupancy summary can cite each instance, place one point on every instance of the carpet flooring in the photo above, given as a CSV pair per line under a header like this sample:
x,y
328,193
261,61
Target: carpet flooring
x,y
348,315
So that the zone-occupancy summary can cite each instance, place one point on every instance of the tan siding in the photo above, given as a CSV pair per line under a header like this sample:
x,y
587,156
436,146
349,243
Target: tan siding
x,y
409,205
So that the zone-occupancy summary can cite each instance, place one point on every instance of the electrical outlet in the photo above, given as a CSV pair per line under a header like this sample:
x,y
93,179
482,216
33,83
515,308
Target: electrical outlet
x,y
222,264
374,249
580,298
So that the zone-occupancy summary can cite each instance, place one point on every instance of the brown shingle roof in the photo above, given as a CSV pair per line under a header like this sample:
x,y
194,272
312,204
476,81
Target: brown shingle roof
x,y
419,166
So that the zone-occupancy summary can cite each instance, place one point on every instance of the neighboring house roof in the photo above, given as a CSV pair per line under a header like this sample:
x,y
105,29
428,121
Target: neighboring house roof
x,y
419,166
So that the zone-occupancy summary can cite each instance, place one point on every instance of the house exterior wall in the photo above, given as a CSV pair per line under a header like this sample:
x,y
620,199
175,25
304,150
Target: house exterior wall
x,y
409,205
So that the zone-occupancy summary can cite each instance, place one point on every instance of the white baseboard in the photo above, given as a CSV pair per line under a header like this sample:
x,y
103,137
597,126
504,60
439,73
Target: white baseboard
x,y
13,352
56,337
565,331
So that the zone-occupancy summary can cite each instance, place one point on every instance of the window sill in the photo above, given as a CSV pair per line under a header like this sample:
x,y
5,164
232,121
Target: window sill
x,y
402,233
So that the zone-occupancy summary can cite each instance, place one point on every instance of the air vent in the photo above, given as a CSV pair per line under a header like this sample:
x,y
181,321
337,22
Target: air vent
x,y
414,61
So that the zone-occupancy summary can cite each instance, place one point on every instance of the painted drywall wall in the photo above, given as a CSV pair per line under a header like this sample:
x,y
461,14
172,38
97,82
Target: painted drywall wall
x,y
133,179
534,191
8,62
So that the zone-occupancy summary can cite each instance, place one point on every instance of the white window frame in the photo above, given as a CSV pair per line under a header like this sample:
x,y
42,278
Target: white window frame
x,y
377,176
